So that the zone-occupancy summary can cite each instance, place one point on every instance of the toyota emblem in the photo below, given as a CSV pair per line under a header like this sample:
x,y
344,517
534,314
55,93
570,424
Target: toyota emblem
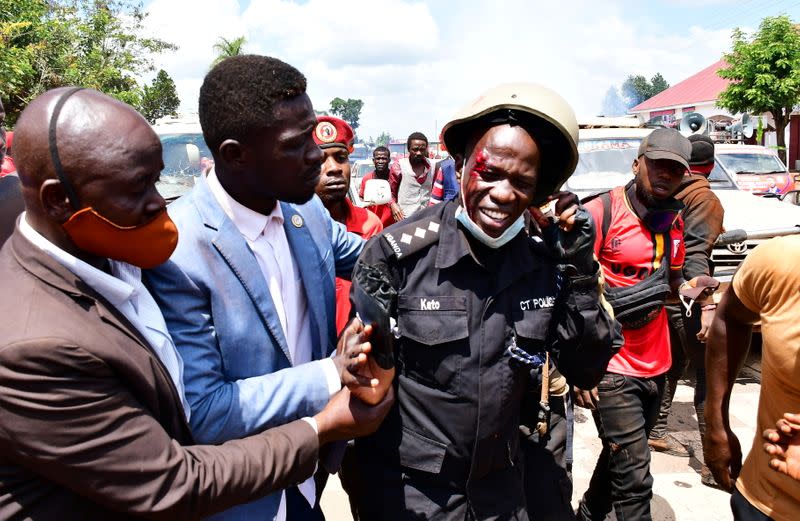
x,y
737,247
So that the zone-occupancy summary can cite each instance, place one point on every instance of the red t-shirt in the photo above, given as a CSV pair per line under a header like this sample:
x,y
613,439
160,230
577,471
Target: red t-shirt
x,y
629,254
383,211
365,224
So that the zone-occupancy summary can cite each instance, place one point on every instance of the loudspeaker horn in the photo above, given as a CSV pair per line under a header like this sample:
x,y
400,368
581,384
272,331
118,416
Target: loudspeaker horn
x,y
748,125
693,123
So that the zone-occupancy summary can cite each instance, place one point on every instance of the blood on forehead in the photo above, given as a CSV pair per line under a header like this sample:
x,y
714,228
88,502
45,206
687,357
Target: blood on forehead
x,y
481,158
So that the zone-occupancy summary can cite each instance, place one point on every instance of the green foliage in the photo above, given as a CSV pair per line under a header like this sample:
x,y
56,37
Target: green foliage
x,y
226,48
349,110
657,84
384,139
160,98
98,44
637,88
764,70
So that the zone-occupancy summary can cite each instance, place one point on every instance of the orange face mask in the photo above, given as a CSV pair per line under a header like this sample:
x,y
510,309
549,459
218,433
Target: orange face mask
x,y
145,246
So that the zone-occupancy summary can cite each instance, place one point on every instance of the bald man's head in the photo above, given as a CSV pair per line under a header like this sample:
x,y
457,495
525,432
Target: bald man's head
x,y
109,154
96,135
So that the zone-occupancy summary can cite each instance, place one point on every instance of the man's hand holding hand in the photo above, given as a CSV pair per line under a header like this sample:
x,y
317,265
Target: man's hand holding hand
x,y
347,417
358,371
351,354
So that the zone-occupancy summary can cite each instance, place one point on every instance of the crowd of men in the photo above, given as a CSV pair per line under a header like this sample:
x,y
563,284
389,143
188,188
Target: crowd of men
x,y
220,357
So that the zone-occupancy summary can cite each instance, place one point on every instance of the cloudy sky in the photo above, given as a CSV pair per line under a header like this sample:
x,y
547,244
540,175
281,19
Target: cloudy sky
x,y
413,63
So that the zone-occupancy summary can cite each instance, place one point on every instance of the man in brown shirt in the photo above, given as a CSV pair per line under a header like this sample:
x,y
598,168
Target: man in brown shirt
x,y
93,424
765,290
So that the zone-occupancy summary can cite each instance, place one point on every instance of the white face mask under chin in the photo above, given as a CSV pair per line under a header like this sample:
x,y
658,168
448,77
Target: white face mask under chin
x,y
482,236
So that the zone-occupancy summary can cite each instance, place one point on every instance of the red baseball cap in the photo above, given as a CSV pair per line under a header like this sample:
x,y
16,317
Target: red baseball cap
x,y
333,132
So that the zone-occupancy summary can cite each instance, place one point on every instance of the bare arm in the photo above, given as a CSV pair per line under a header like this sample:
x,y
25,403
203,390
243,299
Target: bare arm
x,y
726,349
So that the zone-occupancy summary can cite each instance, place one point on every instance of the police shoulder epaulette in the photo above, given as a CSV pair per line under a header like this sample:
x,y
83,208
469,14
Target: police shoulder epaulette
x,y
412,237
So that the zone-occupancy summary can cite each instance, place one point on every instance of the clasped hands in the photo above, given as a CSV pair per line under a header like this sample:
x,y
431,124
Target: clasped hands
x,y
358,371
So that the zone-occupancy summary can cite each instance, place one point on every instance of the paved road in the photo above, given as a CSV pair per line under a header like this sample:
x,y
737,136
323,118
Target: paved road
x,y
678,493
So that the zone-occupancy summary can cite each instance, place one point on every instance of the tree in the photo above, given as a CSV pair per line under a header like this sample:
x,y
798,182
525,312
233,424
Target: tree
x,y
658,84
349,110
764,70
160,98
226,48
98,44
637,88
384,139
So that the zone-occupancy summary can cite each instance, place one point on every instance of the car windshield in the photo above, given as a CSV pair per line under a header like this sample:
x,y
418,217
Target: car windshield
x,y
751,163
186,156
603,164
719,179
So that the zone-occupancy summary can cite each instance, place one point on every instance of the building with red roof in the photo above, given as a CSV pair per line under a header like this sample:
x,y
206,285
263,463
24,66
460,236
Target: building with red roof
x,y
697,93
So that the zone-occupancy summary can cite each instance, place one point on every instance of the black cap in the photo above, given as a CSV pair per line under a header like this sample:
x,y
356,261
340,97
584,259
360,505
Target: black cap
x,y
702,149
666,143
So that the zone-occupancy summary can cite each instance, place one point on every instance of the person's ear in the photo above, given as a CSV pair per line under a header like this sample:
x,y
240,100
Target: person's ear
x,y
635,166
55,203
233,152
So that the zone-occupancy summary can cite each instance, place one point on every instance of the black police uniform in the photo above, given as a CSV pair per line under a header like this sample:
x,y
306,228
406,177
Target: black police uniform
x,y
449,447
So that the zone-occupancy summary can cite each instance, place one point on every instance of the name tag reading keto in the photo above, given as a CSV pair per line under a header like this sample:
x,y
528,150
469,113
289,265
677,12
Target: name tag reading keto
x,y
426,304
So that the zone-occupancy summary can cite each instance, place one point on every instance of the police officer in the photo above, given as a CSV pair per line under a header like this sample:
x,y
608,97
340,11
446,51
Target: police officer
x,y
481,293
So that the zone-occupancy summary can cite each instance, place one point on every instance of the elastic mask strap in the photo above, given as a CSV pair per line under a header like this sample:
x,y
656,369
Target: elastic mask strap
x,y
51,136
687,304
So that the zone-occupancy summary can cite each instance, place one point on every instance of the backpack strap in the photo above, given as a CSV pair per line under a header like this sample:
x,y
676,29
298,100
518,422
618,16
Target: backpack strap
x,y
605,197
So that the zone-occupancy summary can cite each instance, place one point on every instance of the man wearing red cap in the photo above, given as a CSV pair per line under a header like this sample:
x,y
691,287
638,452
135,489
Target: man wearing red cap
x,y
335,137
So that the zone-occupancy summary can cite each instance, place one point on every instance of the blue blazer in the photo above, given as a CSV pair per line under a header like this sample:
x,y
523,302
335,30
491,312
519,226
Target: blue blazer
x,y
237,372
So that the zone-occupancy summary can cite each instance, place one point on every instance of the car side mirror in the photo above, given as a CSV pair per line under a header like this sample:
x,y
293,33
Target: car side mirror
x,y
792,196
377,192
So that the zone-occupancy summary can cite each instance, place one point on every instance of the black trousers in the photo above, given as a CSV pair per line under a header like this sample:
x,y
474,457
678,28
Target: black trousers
x,y
744,511
626,412
685,348
548,466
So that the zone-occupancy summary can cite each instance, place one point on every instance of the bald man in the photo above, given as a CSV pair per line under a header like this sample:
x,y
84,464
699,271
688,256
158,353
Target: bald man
x,y
94,421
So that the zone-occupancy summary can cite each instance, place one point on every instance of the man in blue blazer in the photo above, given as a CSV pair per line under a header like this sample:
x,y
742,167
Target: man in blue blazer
x,y
248,295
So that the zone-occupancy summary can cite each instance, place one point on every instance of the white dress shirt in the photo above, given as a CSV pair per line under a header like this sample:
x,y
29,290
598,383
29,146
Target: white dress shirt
x,y
123,290
267,240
